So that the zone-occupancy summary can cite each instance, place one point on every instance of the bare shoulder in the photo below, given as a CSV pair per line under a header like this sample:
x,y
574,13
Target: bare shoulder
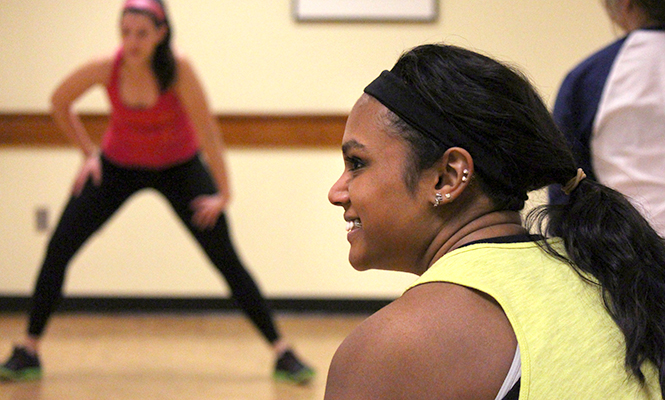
x,y
104,61
181,59
183,63
438,341
99,69
94,72
186,77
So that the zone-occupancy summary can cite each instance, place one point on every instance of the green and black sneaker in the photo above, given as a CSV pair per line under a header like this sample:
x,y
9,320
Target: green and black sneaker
x,y
289,369
21,366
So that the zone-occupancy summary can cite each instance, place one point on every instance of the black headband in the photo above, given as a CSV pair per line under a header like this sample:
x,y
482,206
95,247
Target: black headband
x,y
392,92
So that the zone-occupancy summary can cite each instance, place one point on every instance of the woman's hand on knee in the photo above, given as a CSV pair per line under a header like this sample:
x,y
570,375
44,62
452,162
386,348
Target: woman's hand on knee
x,y
207,209
91,168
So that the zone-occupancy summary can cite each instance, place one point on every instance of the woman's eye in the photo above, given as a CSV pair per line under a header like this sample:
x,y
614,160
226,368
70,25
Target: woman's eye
x,y
354,163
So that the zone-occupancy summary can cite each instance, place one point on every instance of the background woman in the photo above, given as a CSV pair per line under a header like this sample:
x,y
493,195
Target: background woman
x,y
440,153
159,122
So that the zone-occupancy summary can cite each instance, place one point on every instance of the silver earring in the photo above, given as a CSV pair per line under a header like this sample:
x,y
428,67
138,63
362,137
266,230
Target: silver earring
x,y
464,176
438,199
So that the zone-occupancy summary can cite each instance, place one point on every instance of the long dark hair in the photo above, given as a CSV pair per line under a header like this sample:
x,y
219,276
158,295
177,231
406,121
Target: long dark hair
x,y
163,60
605,237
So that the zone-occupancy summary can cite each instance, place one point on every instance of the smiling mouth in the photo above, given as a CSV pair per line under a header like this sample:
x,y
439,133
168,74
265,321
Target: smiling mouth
x,y
355,224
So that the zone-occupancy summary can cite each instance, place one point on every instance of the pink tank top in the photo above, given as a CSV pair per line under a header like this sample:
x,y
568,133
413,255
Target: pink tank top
x,y
154,137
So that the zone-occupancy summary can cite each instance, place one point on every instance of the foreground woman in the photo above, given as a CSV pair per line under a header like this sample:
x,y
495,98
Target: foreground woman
x,y
440,154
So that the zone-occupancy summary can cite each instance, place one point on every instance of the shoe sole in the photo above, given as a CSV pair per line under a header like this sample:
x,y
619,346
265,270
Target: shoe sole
x,y
25,375
301,378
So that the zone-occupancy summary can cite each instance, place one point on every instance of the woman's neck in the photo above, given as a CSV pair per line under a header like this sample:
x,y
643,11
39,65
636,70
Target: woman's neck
x,y
491,224
139,88
134,67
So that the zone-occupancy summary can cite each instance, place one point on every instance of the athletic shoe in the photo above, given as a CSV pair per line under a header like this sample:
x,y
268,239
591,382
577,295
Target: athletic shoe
x,y
21,366
289,369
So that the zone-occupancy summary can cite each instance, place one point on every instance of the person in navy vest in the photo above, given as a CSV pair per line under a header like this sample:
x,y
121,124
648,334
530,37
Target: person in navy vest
x,y
611,108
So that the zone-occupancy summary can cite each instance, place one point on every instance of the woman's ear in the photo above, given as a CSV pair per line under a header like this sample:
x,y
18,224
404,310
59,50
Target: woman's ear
x,y
455,170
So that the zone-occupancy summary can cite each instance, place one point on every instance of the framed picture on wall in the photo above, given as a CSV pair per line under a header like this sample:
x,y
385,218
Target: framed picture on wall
x,y
366,10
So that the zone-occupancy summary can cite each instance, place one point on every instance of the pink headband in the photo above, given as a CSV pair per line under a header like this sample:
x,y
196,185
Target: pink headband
x,y
147,5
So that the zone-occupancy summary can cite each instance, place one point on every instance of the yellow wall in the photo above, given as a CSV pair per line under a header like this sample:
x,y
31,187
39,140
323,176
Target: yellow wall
x,y
253,57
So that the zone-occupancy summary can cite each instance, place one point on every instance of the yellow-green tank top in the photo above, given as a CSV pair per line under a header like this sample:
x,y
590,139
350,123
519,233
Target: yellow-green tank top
x,y
570,347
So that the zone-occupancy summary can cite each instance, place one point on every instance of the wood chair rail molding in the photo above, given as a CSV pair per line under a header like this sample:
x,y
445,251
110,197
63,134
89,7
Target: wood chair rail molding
x,y
262,131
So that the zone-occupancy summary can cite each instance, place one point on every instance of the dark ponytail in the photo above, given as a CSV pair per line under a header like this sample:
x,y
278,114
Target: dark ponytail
x,y
163,62
608,241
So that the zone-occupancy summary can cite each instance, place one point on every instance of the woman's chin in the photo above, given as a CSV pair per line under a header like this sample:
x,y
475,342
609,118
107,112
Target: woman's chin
x,y
359,264
355,264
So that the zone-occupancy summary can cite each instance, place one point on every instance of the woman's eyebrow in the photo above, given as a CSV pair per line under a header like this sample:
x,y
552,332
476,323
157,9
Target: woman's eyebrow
x,y
351,144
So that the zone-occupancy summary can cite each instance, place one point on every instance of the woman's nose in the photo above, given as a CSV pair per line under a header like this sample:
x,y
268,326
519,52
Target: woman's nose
x,y
339,194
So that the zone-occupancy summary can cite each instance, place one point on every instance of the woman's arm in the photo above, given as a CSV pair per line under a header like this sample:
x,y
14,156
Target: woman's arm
x,y
70,89
438,341
191,94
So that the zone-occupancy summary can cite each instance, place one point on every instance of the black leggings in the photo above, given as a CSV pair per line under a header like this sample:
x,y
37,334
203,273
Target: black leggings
x,y
86,213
